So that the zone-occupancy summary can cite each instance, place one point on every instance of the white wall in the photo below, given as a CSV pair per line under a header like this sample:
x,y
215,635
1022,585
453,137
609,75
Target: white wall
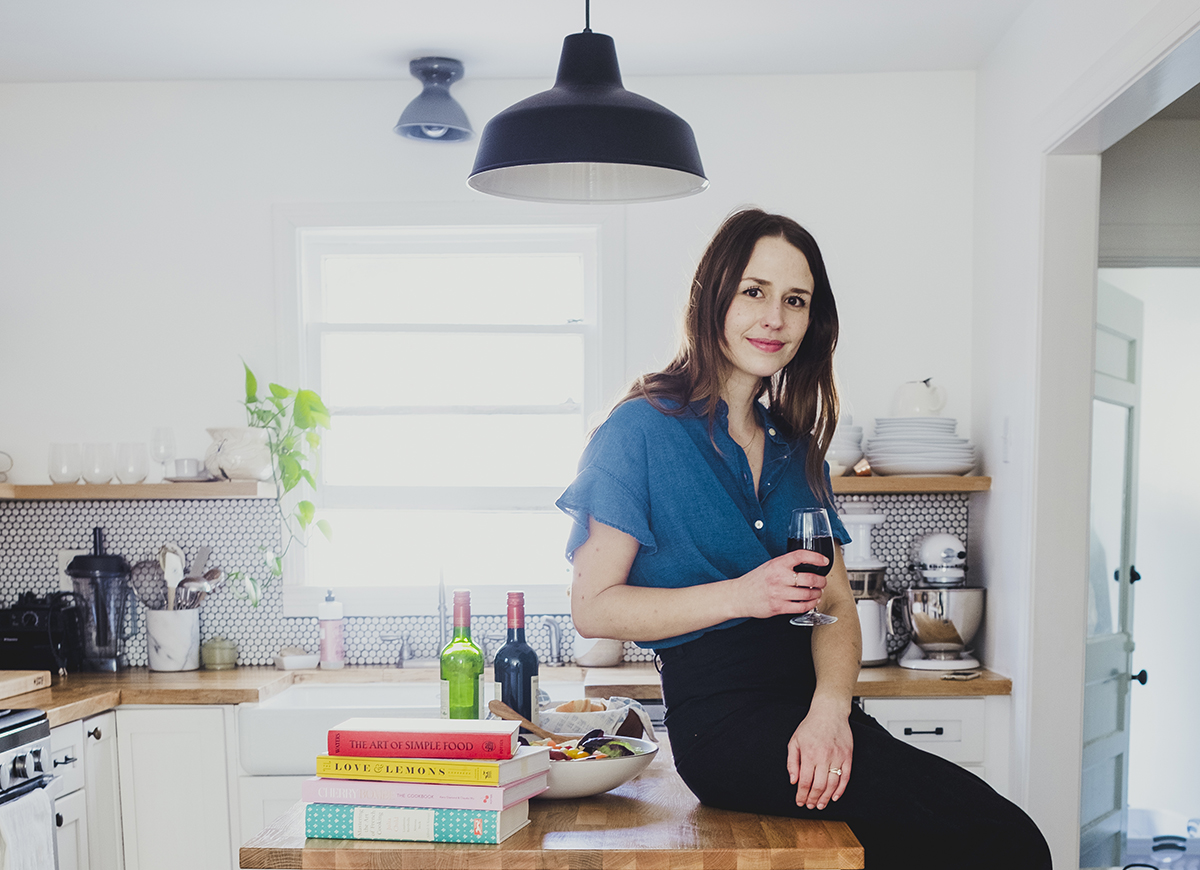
x,y
136,248
1164,755
1061,63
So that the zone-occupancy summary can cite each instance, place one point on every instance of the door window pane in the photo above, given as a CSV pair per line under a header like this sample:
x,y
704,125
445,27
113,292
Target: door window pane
x,y
363,369
1110,428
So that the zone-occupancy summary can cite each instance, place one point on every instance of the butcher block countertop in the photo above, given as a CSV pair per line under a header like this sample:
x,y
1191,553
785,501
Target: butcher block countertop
x,y
78,696
650,823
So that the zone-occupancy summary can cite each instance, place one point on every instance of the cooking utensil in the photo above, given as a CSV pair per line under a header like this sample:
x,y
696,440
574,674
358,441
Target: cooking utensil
x,y
215,578
149,585
190,593
199,562
171,559
506,712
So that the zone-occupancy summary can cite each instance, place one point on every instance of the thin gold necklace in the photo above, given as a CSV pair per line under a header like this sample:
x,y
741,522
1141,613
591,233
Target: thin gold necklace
x,y
746,447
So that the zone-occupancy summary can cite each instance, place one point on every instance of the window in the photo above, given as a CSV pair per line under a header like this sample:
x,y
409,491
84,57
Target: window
x,y
461,363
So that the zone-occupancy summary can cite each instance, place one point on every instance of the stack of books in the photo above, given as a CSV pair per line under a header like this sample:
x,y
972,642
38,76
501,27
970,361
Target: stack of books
x,y
430,780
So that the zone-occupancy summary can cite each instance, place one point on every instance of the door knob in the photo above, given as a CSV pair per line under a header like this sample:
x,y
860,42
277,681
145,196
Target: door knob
x,y
1139,677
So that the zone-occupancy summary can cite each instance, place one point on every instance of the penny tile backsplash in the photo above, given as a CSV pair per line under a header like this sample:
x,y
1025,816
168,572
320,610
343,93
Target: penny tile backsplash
x,y
32,533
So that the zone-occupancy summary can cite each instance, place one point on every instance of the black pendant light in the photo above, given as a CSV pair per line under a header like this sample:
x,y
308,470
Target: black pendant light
x,y
588,139
434,116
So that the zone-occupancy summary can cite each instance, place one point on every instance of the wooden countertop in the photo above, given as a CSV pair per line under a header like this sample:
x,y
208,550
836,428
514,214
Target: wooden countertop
x,y
77,696
650,823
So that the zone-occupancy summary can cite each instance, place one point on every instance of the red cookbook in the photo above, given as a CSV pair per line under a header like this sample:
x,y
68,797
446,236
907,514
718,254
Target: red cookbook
x,y
424,738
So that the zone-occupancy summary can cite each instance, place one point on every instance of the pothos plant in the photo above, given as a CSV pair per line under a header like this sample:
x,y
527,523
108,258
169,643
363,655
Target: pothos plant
x,y
293,420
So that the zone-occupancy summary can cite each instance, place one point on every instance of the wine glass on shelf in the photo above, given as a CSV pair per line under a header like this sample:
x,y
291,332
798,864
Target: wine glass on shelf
x,y
66,463
162,447
809,529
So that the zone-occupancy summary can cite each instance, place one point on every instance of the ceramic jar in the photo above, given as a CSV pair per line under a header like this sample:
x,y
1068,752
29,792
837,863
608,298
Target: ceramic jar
x,y
239,453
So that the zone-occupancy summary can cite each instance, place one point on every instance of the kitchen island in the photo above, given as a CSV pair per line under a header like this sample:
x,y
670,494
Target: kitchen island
x,y
650,823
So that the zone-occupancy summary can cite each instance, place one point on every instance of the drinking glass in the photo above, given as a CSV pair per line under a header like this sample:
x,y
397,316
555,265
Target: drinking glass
x,y
133,463
809,529
98,463
66,463
162,447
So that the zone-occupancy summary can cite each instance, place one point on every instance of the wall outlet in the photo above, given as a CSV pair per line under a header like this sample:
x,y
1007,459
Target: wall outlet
x,y
65,583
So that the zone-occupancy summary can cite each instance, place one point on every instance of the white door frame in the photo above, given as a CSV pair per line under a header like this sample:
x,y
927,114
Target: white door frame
x,y
1058,599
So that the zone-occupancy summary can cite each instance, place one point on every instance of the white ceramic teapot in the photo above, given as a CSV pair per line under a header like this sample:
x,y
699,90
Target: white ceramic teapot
x,y
918,399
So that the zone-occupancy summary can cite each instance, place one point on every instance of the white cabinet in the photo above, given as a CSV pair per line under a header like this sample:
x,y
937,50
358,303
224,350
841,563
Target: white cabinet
x,y
971,732
71,832
263,799
178,787
103,792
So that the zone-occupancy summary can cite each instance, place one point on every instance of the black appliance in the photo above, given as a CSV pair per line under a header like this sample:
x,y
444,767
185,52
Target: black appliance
x,y
42,634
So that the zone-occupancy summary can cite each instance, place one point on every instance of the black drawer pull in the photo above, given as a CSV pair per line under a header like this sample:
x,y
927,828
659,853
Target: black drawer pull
x,y
58,819
66,759
95,732
908,732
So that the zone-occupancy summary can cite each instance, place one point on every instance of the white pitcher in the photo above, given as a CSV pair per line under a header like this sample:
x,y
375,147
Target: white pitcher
x,y
918,399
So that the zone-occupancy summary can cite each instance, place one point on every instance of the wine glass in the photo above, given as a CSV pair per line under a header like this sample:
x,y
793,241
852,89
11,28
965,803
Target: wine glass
x,y
66,463
132,463
809,530
162,446
99,463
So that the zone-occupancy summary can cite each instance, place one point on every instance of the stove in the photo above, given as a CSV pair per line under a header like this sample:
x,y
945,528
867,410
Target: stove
x,y
25,767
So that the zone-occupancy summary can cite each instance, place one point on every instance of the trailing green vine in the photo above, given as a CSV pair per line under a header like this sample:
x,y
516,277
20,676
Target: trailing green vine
x,y
294,420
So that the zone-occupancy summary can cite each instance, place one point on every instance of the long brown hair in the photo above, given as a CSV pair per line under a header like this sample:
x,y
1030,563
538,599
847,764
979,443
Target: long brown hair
x,y
801,396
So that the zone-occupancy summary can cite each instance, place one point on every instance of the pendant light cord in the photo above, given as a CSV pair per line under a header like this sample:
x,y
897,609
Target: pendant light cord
x,y
587,16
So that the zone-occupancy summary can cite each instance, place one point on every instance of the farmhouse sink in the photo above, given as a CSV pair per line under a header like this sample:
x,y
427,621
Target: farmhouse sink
x,y
283,735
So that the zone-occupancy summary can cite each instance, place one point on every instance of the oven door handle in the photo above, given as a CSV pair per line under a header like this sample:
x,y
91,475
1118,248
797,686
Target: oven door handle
x,y
26,787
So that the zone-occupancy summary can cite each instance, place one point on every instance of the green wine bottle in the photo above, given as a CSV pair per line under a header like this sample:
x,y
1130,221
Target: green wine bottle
x,y
462,666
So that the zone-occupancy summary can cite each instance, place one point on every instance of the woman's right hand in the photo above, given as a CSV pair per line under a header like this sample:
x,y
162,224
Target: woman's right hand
x,y
774,587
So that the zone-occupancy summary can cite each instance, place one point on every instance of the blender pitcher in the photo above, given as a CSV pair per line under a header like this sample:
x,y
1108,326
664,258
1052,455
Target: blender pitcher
x,y
102,590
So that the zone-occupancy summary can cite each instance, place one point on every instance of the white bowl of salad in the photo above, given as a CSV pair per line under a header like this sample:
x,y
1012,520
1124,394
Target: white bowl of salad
x,y
593,764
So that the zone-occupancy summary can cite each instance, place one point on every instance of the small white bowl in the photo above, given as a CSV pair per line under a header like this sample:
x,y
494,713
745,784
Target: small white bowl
x,y
586,777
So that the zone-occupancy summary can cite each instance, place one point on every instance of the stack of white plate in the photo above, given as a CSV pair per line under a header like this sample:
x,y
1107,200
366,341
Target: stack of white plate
x,y
846,447
919,446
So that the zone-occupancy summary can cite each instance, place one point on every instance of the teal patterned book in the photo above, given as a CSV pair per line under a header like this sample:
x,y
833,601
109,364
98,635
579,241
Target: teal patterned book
x,y
414,824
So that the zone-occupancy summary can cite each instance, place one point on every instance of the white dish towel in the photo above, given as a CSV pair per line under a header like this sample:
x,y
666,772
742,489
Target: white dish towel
x,y
27,833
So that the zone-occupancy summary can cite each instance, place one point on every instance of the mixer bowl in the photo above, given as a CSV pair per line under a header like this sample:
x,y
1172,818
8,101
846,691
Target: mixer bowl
x,y
943,621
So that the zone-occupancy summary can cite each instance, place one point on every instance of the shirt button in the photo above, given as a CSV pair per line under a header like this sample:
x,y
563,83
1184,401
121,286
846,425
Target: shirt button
x,y
770,431
758,524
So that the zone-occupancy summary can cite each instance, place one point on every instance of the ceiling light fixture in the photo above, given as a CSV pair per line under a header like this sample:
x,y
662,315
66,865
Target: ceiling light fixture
x,y
588,139
434,116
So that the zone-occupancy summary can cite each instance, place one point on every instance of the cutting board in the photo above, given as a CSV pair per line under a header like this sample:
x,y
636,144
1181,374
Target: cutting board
x,y
20,682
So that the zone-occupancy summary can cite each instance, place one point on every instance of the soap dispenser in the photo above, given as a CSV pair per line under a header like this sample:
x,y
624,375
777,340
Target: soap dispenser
x,y
332,631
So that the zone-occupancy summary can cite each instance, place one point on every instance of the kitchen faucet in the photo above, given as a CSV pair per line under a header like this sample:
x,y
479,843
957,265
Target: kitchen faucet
x,y
555,660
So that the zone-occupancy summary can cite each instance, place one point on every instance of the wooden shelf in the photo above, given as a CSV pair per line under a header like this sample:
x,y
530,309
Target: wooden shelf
x,y
114,491
899,485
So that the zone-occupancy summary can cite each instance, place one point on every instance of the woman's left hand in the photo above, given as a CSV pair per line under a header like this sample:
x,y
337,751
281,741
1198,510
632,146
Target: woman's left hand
x,y
819,757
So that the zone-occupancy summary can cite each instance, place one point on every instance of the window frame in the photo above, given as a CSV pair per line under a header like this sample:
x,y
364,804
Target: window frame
x,y
298,344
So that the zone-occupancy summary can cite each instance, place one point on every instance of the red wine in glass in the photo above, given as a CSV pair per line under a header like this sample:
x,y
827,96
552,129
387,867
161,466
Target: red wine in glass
x,y
809,529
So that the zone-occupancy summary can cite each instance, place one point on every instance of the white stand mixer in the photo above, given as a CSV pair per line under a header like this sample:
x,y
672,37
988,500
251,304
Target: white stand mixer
x,y
941,612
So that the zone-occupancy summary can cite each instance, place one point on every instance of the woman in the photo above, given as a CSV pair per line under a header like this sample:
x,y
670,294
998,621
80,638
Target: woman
x,y
679,543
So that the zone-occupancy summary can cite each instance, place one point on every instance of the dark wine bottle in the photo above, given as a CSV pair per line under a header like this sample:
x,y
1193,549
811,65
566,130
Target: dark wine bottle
x,y
516,665
462,666
822,545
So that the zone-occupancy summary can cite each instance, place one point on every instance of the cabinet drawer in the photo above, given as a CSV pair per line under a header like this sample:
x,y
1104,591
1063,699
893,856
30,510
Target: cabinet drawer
x,y
66,750
950,727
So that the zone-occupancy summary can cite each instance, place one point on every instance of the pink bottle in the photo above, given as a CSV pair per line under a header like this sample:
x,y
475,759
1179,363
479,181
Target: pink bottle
x,y
332,630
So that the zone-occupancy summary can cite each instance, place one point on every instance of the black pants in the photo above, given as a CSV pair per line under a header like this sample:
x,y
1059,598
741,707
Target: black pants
x,y
735,696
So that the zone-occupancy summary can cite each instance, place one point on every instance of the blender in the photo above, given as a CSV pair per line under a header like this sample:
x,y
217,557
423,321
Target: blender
x,y
866,574
942,614
102,591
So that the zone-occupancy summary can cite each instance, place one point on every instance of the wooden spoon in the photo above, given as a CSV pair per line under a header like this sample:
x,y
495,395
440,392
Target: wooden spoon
x,y
506,712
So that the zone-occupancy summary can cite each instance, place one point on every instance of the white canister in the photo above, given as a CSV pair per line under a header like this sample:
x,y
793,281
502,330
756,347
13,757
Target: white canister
x,y
173,639
239,453
872,615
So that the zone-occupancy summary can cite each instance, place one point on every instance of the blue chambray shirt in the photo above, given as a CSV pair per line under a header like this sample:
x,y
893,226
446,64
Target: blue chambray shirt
x,y
693,510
